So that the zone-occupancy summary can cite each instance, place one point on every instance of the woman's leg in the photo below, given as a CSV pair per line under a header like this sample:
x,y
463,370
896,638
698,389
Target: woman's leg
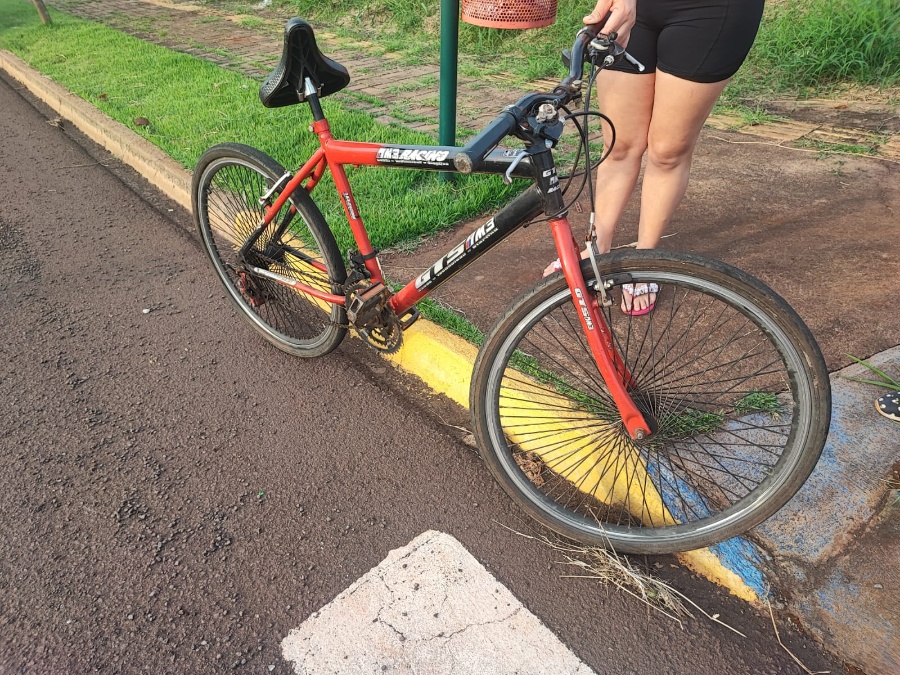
x,y
680,108
627,99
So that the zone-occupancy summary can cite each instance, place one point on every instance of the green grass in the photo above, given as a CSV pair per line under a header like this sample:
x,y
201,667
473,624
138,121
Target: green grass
x,y
749,116
804,46
250,22
826,148
192,104
807,43
757,401
689,421
884,380
450,320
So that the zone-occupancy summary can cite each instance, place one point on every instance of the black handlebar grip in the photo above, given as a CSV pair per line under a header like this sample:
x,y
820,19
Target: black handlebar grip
x,y
479,147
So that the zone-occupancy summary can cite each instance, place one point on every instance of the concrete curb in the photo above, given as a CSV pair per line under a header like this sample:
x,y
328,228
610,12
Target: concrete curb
x,y
837,543
440,359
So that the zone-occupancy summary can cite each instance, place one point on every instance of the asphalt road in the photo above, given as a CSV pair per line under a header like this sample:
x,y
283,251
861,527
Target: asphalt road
x,y
175,495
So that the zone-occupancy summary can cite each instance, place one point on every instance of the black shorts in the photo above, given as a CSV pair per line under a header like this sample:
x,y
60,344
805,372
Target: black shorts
x,y
697,40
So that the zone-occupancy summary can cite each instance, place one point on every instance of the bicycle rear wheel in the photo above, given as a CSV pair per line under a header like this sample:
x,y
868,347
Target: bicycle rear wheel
x,y
227,185
730,379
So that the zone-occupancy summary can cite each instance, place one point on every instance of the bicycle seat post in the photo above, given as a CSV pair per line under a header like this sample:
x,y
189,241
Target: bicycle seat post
x,y
312,97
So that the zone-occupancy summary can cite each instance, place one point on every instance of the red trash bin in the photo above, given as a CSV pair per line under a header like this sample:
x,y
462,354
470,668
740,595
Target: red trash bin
x,y
509,13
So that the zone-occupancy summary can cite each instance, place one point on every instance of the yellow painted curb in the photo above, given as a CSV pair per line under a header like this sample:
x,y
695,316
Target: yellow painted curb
x,y
440,359
705,563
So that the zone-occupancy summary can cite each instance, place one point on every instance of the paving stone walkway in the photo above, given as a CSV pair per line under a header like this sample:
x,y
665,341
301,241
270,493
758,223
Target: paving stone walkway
x,y
380,83
393,92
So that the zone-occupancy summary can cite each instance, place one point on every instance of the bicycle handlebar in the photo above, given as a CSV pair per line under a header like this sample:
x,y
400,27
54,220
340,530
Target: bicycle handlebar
x,y
472,155
480,146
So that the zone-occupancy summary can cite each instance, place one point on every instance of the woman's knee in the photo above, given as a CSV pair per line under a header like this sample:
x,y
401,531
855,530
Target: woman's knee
x,y
670,154
628,149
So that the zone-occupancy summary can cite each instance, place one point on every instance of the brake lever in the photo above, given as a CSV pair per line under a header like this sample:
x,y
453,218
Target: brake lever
x,y
507,177
607,43
633,61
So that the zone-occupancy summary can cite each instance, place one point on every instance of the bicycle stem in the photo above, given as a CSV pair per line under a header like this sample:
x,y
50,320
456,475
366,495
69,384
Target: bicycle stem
x,y
599,339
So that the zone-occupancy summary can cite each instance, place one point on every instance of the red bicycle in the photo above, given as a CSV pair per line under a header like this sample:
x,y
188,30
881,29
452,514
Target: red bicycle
x,y
651,434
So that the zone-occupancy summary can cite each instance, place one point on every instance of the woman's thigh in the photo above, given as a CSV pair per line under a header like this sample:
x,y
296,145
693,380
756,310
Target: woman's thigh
x,y
627,99
680,108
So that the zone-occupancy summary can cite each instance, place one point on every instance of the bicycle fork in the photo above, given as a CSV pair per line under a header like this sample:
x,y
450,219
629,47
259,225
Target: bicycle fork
x,y
599,338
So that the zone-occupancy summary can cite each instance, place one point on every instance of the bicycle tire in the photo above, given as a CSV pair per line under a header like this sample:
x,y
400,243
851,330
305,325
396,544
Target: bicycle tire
x,y
733,381
226,187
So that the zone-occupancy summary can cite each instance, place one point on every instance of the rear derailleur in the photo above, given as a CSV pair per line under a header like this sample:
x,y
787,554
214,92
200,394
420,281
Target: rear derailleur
x,y
251,287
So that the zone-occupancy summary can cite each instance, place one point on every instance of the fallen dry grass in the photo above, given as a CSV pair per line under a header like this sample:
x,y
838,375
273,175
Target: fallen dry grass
x,y
618,571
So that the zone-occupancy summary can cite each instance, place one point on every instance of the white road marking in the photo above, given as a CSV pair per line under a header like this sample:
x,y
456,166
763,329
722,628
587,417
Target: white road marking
x,y
428,608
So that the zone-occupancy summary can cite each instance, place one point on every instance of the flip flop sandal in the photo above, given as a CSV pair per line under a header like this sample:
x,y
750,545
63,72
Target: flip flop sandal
x,y
555,266
889,405
634,290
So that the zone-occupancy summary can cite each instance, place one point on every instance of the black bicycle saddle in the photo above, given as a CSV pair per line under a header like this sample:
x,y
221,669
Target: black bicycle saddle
x,y
300,59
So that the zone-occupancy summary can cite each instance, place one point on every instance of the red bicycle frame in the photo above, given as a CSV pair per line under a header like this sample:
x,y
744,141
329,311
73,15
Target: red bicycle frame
x,y
335,154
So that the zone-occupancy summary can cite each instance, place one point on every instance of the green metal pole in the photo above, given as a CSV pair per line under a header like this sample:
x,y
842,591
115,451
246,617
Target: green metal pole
x,y
449,57
42,12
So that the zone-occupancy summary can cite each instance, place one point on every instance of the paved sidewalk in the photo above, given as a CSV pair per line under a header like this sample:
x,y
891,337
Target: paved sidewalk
x,y
379,83
833,552
394,92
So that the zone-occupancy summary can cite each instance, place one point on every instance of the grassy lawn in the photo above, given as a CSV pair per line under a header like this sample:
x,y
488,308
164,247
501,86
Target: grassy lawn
x,y
811,48
191,104
804,48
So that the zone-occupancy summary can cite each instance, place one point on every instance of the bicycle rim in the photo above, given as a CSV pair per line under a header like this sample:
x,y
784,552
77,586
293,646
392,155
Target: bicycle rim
x,y
729,377
230,187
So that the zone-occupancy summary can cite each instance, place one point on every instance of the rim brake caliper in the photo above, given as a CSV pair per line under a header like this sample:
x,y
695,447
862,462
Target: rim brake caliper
x,y
600,284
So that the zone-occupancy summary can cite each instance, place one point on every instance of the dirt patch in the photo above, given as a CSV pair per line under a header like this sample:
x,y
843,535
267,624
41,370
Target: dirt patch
x,y
820,230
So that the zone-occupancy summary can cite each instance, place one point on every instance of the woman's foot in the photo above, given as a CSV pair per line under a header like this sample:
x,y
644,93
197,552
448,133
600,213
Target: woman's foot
x,y
556,266
889,405
638,299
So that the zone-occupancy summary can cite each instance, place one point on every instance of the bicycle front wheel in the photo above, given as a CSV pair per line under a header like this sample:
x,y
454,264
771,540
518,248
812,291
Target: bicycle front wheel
x,y
730,379
227,186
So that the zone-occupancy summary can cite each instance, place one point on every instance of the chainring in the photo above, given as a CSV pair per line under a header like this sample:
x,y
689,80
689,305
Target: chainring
x,y
388,336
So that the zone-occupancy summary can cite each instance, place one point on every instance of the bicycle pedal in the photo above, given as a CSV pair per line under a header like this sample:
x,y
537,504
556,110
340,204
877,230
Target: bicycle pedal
x,y
408,318
364,305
